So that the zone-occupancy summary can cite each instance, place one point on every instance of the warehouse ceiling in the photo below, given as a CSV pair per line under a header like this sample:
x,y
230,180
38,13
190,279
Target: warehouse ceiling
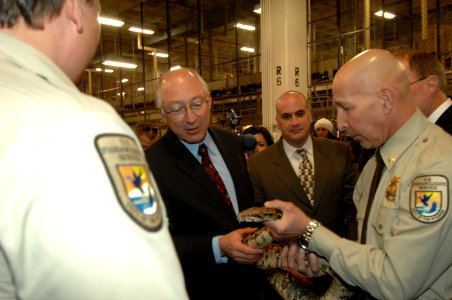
x,y
202,34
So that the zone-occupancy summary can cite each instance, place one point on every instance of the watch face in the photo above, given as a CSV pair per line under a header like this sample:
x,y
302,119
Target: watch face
x,y
302,243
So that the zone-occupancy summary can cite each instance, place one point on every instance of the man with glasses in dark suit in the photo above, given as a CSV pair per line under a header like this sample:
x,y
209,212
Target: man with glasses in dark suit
x,y
202,210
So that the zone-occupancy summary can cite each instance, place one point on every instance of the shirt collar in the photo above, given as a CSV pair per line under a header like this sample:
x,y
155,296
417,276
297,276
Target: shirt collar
x,y
396,145
193,148
439,111
26,56
290,150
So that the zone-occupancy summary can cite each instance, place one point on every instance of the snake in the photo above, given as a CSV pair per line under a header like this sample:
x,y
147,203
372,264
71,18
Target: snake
x,y
290,285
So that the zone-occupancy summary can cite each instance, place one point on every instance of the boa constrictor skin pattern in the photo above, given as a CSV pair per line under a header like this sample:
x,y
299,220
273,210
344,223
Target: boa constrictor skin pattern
x,y
289,285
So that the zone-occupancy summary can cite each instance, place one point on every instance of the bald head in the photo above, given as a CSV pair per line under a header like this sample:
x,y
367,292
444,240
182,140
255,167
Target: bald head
x,y
373,69
371,93
180,77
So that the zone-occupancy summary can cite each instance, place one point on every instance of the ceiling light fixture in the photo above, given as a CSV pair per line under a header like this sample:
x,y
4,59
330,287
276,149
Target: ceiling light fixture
x,y
124,80
119,64
246,27
108,71
386,14
257,9
140,30
109,21
247,49
160,54
140,89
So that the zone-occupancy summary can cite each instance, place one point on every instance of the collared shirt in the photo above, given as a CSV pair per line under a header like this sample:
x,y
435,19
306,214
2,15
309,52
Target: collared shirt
x,y
406,255
296,159
60,212
225,175
439,111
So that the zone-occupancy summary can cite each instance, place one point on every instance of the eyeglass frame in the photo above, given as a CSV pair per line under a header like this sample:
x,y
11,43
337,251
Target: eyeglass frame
x,y
182,111
420,79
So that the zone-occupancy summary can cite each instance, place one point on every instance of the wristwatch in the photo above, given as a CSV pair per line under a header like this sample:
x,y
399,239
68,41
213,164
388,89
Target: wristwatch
x,y
303,240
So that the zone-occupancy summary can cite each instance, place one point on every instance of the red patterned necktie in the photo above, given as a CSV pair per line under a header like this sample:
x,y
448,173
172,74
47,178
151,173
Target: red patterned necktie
x,y
208,166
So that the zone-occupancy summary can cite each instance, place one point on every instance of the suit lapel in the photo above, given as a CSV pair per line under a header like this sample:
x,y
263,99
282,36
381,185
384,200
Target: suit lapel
x,y
235,167
321,166
445,120
286,173
188,164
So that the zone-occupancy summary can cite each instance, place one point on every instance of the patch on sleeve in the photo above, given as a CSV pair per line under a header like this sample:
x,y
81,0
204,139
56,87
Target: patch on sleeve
x,y
129,174
429,198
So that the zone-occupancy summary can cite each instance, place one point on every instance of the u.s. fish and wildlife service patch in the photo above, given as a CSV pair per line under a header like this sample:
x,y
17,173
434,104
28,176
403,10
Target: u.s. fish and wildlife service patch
x,y
128,171
429,198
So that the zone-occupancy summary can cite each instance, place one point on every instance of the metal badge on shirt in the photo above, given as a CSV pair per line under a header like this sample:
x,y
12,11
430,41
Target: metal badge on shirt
x,y
129,174
429,198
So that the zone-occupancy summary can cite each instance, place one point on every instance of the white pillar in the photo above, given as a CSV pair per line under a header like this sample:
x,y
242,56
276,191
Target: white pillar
x,y
284,54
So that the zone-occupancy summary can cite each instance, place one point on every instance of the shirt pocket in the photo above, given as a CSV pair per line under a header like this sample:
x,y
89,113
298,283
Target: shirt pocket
x,y
384,219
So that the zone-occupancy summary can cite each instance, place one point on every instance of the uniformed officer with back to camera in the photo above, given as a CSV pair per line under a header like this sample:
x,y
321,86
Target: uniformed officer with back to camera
x,y
80,214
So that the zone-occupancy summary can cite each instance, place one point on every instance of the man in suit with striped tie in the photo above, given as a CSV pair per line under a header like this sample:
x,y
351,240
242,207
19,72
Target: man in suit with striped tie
x,y
202,177
316,174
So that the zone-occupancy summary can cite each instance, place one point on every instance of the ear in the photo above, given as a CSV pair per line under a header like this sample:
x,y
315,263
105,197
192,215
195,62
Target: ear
x,y
74,12
386,96
432,84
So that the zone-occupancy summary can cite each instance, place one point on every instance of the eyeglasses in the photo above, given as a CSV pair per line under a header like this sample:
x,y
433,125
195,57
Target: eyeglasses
x,y
420,79
178,112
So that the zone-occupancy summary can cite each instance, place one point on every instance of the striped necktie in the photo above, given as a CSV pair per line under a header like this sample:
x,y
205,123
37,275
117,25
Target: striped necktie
x,y
208,166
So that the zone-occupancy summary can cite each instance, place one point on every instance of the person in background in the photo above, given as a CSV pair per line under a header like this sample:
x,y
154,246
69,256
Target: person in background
x,y
403,194
263,137
324,129
428,85
279,171
80,218
202,176
147,134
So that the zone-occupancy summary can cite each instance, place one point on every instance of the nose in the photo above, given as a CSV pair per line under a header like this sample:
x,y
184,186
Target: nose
x,y
341,121
190,116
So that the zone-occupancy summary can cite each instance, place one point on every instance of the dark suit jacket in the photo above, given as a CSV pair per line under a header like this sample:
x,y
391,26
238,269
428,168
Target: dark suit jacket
x,y
197,212
334,174
445,121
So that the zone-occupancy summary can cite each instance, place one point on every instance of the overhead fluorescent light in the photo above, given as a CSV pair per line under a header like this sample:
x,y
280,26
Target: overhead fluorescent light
x,y
109,21
119,64
160,54
246,27
257,9
173,68
105,70
386,14
247,49
140,89
140,30
124,80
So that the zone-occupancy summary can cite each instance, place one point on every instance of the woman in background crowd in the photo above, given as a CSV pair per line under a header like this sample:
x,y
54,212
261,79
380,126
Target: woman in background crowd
x,y
324,129
147,133
263,137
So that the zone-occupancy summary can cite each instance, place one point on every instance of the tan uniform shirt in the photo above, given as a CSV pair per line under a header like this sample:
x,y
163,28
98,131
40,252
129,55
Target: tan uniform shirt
x,y
408,254
80,214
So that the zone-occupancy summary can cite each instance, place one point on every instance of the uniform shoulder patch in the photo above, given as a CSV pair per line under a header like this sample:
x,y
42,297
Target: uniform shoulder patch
x,y
429,198
131,179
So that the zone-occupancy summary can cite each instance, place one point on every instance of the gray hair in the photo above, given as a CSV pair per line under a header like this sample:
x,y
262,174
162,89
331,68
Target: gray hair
x,y
32,11
158,91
